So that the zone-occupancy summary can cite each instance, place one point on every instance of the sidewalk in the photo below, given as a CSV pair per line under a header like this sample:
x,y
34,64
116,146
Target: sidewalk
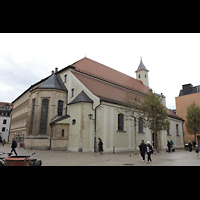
x,y
65,158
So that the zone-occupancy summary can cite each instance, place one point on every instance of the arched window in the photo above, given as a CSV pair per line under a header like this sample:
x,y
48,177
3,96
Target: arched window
x,y
120,122
140,125
139,75
60,108
44,116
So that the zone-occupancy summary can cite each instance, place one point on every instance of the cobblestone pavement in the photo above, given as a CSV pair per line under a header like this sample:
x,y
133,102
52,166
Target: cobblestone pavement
x,y
65,158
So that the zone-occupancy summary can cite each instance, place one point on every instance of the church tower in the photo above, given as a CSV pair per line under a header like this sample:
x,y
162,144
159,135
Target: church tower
x,y
142,73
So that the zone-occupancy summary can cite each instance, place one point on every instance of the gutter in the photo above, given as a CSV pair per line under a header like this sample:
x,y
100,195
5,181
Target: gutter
x,y
95,124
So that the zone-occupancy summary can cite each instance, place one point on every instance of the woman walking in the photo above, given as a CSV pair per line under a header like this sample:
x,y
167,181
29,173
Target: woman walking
x,y
149,151
100,146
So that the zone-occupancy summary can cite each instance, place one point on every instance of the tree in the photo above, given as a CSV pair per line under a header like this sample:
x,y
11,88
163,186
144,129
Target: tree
x,y
150,109
193,119
154,114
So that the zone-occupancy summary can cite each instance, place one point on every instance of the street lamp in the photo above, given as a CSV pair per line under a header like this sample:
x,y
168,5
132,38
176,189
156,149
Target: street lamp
x,y
90,116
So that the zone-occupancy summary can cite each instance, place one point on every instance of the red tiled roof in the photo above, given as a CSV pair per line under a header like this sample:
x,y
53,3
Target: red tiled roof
x,y
103,72
3,105
104,89
109,84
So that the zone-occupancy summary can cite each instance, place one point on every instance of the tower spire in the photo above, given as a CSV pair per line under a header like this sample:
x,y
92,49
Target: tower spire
x,y
142,73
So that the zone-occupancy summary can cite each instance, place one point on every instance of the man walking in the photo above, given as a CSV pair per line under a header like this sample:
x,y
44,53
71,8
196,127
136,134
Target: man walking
x,y
142,147
13,146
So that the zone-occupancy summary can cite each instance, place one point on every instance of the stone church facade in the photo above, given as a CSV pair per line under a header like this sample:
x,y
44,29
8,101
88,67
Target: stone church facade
x,y
73,107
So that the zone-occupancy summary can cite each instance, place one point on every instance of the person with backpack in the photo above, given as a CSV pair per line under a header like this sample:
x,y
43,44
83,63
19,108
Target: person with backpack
x,y
13,146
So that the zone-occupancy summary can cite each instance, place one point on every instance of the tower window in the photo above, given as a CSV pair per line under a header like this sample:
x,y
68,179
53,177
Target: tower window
x,y
139,75
145,75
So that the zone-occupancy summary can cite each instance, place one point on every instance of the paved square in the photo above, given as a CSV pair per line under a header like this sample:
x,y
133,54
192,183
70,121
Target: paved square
x,y
65,158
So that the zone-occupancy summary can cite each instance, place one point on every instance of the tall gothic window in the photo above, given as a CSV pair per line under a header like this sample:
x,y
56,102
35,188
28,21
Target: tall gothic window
x,y
44,116
141,125
60,108
120,122
32,116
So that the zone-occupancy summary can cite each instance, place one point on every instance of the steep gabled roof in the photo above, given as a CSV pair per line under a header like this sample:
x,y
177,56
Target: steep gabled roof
x,y
98,70
141,66
82,97
53,82
105,90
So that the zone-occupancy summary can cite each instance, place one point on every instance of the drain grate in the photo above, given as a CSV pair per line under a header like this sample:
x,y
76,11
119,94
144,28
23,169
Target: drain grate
x,y
128,164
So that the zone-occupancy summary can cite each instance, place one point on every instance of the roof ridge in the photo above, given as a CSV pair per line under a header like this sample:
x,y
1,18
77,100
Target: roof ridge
x,y
104,66
108,80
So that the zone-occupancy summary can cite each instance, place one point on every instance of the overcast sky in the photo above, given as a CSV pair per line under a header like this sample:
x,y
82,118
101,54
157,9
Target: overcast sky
x,y
171,58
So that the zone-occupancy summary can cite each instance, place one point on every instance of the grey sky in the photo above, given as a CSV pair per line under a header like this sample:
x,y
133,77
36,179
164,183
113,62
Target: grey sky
x,y
171,58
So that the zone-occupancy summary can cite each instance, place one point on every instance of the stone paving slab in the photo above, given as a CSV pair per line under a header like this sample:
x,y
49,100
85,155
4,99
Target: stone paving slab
x,y
64,158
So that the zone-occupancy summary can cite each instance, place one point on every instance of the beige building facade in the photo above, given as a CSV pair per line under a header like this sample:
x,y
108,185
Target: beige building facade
x,y
75,106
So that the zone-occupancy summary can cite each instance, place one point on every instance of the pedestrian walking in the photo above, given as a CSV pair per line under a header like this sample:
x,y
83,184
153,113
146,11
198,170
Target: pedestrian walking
x,y
13,146
100,146
169,146
149,151
3,142
190,146
0,140
171,142
142,147
197,151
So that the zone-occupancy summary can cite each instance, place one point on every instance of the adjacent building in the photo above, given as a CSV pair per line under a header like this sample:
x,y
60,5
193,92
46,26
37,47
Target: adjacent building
x,y
74,106
187,95
5,116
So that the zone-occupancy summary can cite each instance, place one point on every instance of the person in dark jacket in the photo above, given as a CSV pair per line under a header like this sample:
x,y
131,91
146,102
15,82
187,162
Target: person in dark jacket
x,y
169,146
197,150
142,147
100,146
149,151
190,146
13,146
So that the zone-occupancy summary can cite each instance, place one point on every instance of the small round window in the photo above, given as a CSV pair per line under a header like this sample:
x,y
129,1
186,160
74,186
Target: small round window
x,y
73,121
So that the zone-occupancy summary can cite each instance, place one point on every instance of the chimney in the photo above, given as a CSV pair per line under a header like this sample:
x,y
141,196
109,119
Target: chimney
x,y
52,72
56,69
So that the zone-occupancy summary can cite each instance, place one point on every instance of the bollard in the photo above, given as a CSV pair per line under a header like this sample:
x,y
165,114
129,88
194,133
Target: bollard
x,y
113,149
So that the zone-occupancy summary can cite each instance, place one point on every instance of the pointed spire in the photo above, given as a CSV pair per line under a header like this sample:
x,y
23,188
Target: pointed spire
x,y
141,66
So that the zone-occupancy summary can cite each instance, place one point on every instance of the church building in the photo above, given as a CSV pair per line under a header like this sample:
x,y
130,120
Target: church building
x,y
74,106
